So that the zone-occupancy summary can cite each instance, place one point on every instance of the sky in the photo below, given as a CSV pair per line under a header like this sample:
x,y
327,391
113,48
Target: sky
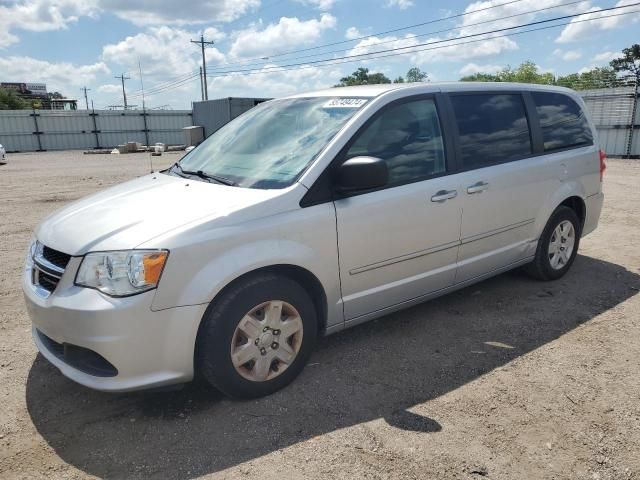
x,y
272,48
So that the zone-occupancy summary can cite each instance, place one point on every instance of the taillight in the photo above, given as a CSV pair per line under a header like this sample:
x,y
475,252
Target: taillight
x,y
603,165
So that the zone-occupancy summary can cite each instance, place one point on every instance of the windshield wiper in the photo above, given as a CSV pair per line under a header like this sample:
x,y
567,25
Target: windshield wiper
x,y
206,176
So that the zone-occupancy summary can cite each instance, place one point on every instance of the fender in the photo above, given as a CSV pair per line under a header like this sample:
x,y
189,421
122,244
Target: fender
x,y
570,188
196,272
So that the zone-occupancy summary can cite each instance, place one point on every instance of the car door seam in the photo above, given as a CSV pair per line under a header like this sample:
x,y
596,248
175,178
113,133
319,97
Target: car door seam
x,y
405,257
497,231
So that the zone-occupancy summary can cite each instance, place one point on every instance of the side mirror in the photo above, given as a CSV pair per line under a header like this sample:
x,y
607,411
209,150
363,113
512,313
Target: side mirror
x,y
362,173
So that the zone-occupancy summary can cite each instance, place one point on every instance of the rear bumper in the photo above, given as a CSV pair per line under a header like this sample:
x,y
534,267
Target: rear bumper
x,y
139,348
593,206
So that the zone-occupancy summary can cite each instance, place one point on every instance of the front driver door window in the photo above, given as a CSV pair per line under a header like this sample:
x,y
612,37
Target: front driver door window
x,y
408,137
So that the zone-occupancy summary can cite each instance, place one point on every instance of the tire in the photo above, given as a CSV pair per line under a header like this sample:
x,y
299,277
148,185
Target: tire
x,y
545,265
222,333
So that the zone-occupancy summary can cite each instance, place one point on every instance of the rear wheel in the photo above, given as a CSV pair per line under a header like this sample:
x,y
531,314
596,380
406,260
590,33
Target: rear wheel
x,y
257,337
557,247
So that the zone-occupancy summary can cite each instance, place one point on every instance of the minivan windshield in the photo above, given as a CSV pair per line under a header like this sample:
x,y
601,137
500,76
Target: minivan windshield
x,y
270,145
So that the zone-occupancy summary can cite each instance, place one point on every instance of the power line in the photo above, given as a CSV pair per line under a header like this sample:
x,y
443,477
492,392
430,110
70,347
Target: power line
x,y
450,17
407,49
178,81
539,22
202,43
170,86
437,47
258,72
396,40
363,37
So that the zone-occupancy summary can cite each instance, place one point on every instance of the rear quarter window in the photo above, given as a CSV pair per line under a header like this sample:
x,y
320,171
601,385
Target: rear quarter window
x,y
563,122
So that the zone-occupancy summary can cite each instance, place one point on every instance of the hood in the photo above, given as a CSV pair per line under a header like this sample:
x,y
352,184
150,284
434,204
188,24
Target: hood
x,y
124,216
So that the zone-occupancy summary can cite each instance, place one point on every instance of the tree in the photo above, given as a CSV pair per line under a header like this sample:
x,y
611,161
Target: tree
x,y
416,75
527,72
480,77
363,77
599,77
10,101
399,80
629,62
55,95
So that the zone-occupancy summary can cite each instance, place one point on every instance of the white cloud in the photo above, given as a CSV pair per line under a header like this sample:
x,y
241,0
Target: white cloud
x,y
287,34
496,18
49,15
484,48
401,4
515,10
471,68
109,88
161,51
323,5
351,33
58,76
436,52
178,12
482,45
376,44
586,69
40,16
568,55
605,56
578,29
275,82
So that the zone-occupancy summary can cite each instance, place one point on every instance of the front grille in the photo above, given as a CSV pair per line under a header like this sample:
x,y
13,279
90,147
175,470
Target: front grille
x,y
48,282
59,259
48,268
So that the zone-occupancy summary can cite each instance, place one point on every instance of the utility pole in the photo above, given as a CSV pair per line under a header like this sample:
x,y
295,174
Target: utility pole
x,y
124,93
86,100
201,84
202,43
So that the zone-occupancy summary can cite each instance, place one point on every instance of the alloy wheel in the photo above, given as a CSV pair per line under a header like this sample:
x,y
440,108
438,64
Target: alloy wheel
x,y
561,245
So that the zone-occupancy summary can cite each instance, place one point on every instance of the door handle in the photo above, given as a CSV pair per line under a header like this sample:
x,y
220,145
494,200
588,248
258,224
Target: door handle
x,y
444,195
478,187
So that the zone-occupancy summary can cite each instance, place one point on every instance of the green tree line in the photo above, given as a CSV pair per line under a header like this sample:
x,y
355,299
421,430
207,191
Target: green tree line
x,y
527,72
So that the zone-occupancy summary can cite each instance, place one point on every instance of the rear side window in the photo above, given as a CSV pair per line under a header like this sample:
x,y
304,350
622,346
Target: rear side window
x,y
493,128
408,137
563,122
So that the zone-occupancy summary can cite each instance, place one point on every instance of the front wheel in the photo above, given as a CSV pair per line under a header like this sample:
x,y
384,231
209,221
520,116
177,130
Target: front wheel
x,y
257,337
557,247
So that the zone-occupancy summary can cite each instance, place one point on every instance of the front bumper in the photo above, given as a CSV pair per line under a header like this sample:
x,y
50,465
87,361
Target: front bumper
x,y
146,348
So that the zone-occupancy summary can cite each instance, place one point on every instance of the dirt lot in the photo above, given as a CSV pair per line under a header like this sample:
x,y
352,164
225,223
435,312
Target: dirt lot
x,y
508,379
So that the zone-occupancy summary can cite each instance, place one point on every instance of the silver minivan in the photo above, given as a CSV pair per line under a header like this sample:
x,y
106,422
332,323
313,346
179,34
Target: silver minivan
x,y
304,216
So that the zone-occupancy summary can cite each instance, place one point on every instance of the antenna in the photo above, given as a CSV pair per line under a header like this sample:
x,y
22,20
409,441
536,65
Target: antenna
x,y
141,84
86,101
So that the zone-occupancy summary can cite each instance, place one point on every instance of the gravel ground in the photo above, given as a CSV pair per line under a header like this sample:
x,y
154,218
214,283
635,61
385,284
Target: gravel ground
x,y
508,379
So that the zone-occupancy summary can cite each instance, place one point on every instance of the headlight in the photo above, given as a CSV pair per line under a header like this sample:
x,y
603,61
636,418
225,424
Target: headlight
x,y
123,273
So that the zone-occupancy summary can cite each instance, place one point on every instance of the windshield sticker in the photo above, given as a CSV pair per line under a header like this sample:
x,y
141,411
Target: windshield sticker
x,y
345,103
